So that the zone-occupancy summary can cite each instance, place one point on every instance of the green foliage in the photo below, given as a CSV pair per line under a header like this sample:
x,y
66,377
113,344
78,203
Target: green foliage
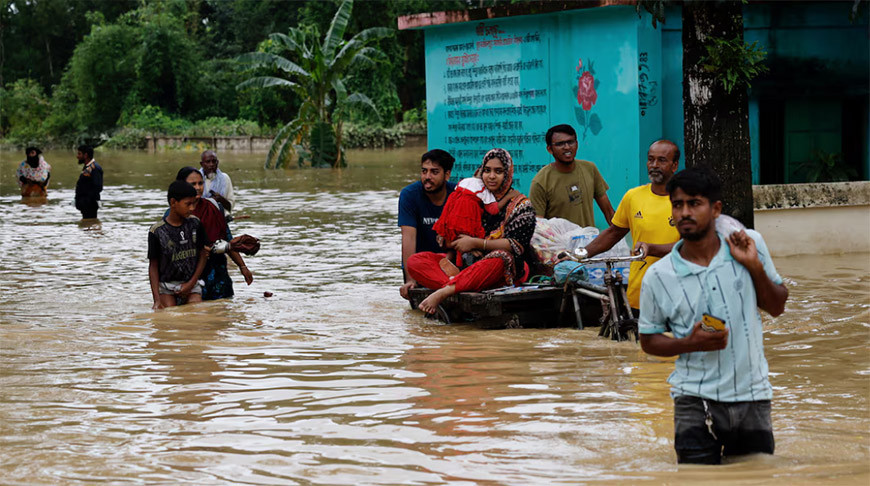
x,y
223,127
316,70
734,62
656,8
102,63
416,115
146,57
154,120
367,136
39,36
323,149
23,111
827,167
64,123
167,63
127,138
99,75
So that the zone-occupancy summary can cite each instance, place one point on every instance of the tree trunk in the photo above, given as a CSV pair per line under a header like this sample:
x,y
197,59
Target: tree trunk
x,y
716,123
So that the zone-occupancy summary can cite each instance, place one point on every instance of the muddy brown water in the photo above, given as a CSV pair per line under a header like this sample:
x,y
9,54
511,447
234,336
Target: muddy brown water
x,y
334,379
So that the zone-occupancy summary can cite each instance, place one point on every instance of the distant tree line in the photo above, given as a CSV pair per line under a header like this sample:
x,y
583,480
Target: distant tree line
x,y
73,70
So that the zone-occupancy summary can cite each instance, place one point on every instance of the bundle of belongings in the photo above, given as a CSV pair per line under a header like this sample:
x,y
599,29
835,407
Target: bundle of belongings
x,y
246,244
555,235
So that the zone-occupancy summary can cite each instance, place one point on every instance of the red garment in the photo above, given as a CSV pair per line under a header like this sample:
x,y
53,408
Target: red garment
x,y
484,274
212,218
462,215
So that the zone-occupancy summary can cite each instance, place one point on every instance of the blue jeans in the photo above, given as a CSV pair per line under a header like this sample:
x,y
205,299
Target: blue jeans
x,y
737,428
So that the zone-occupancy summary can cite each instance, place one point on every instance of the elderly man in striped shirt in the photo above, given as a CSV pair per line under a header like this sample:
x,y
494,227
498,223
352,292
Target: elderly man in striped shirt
x,y
719,384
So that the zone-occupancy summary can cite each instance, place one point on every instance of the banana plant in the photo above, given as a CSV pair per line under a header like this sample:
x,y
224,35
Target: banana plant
x,y
314,69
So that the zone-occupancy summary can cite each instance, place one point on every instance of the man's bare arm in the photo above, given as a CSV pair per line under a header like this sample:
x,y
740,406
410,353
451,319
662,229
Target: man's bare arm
x,y
653,250
606,208
606,240
409,247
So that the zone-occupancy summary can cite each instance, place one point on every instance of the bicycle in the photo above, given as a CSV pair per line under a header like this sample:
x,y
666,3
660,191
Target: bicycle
x,y
617,321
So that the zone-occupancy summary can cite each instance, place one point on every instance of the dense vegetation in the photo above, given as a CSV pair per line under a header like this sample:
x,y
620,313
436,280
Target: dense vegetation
x,y
317,69
113,72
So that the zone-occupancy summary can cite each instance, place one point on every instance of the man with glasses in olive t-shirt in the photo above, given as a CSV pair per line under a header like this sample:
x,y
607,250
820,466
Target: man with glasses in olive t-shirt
x,y
566,188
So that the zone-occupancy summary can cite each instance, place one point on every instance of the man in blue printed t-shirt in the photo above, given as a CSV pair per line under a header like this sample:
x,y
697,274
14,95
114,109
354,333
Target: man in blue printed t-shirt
x,y
420,205
719,384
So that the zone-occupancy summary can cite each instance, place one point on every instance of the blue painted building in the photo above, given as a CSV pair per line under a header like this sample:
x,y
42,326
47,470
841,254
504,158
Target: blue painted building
x,y
501,81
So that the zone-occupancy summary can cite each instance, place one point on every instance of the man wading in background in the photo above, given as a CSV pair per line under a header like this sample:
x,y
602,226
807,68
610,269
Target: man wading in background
x,y
719,384
90,183
218,185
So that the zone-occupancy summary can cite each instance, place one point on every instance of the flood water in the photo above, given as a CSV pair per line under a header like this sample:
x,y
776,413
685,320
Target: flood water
x,y
334,379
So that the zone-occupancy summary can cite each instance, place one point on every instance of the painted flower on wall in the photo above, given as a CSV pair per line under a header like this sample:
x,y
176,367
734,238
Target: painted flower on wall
x,y
587,96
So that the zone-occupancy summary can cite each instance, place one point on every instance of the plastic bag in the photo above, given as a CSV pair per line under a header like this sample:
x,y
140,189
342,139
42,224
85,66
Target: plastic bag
x,y
555,235
568,269
725,225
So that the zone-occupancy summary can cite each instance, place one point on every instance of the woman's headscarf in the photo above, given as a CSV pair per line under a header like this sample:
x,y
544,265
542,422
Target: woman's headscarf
x,y
505,157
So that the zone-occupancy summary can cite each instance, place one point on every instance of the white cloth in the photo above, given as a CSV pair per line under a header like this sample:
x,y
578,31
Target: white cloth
x,y
224,187
479,189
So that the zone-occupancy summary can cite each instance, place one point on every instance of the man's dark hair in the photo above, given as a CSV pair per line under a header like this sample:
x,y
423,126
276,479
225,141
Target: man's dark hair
x,y
87,150
440,157
31,148
566,129
185,172
697,181
179,190
673,146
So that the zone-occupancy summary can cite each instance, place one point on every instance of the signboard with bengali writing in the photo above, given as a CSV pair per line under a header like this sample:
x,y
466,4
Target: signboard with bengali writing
x,y
504,82
489,90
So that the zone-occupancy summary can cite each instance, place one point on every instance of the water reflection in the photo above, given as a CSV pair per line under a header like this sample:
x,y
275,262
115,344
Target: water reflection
x,y
34,201
334,379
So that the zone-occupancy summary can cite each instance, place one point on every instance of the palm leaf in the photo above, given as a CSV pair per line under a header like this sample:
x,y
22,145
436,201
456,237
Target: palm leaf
x,y
360,40
371,34
295,42
265,82
264,59
287,149
337,27
360,56
363,100
286,132
340,90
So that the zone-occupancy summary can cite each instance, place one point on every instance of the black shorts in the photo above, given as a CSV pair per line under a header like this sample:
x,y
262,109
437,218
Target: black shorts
x,y
739,427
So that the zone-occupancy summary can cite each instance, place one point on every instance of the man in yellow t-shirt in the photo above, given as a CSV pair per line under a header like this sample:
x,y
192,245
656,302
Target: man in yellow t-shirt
x,y
566,188
646,212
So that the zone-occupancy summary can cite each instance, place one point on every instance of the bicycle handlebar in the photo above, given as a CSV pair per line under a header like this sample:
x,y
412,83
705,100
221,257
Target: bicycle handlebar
x,y
579,255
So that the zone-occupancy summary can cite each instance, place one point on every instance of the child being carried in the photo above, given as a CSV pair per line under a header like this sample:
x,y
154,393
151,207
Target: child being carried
x,y
463,215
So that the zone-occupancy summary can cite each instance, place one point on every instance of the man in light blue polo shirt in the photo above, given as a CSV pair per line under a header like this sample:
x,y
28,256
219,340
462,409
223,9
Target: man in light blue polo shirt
x,y
720,387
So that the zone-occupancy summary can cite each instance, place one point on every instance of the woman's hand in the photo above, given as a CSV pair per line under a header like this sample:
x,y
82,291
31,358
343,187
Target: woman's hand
x,y
465,243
